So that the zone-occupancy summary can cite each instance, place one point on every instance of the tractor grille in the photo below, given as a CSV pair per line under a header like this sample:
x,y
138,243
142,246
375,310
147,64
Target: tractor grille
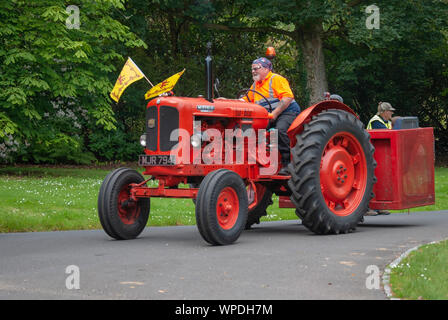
x,y
151,128
169,121
162,126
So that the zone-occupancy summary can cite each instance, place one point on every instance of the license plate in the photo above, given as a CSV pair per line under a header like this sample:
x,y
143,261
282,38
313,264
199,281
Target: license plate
x,y
156,160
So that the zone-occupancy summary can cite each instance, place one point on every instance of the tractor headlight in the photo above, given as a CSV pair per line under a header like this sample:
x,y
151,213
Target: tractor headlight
x,y
143,140
196,140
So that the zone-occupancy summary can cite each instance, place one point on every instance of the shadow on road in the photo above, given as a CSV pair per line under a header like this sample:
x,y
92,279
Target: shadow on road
x,y
188,236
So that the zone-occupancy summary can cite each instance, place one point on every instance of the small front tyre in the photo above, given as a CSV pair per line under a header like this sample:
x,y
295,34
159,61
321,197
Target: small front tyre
x,y
221,207
120,217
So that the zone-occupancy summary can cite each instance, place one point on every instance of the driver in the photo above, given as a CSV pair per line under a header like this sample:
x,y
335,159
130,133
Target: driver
x,y
284,108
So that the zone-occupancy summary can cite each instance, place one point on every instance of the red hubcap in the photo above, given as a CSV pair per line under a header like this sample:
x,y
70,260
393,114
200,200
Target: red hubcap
x,y
343,174
227,208
128,210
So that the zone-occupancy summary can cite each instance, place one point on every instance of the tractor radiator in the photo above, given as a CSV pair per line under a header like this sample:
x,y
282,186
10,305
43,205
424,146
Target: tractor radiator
x,y
152,128
162,124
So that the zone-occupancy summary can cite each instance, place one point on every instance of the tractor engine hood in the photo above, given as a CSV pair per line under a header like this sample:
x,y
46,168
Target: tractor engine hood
x,y
222,108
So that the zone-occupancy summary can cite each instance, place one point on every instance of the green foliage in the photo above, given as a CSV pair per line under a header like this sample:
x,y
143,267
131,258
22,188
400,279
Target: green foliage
x,y
113,145
403,62
58,148
47,70
43,62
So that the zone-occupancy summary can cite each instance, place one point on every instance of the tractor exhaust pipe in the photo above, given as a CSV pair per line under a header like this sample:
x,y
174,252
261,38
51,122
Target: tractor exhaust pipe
x,y
209,93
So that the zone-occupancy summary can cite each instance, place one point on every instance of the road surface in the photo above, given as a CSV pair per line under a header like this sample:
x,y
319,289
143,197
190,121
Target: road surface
x,y
274,260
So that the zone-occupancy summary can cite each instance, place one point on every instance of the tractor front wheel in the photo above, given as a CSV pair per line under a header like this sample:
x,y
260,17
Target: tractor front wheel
x,y
332,172
120,216
221,207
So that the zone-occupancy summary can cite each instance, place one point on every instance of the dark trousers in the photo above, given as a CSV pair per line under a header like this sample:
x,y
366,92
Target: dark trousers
x,y
282,124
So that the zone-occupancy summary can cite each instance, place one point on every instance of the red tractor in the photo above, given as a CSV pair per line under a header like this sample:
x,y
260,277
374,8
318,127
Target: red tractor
x,y
333,167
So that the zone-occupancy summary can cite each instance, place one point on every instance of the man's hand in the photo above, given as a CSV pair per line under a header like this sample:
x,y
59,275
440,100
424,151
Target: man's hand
x,y
275,113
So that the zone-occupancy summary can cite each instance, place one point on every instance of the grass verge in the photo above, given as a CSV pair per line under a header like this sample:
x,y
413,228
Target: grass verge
x,y
48,198
423,274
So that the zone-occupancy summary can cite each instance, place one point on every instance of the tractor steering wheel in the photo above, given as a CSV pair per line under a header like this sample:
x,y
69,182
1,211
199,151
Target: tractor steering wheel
x,y
246,91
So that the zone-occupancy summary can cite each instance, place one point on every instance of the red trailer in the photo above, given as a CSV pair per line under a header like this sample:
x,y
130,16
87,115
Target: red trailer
x,y
405,168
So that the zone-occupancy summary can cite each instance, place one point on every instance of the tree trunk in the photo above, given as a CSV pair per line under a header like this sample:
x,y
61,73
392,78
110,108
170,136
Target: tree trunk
x,y
310,42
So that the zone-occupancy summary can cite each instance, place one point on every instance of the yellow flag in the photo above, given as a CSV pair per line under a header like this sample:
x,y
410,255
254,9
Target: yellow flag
x,y
128,75
163,86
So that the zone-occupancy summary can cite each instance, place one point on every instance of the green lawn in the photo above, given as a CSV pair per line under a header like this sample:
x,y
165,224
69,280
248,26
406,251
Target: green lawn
x,y
40,199
423,274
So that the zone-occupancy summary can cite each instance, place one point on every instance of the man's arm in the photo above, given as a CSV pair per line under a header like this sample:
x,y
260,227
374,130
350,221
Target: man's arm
x,y
283,104
283,91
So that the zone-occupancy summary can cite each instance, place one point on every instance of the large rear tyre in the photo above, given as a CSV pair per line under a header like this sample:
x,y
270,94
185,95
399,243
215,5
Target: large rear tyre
x,y
332,172
120,217
221,207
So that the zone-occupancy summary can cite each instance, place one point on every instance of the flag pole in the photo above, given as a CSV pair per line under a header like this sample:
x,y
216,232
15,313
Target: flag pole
x,y
148,80
141,72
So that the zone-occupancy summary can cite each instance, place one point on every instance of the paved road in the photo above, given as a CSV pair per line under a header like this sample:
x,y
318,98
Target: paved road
x,y
275,260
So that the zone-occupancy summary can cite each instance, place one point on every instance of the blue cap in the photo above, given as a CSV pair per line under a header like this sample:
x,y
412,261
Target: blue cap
x,y
264,63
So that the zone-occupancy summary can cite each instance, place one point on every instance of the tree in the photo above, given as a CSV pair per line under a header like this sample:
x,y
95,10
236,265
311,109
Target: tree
x,y
56,79
403,62
302,21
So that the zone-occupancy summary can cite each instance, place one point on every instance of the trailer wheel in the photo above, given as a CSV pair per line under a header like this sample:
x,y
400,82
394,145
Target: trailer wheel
x,y
120,217
254,215
332,172
221,207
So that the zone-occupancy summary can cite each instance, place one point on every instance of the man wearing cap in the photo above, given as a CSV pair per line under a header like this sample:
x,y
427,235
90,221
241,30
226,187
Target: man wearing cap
x,y
284,108
382,119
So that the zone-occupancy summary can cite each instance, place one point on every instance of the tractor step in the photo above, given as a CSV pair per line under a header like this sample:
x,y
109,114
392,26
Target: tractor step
x,y
275,177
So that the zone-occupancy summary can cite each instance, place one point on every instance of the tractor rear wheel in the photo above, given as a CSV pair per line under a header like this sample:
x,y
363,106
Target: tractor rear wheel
x,y
332,172
221,207
121,217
